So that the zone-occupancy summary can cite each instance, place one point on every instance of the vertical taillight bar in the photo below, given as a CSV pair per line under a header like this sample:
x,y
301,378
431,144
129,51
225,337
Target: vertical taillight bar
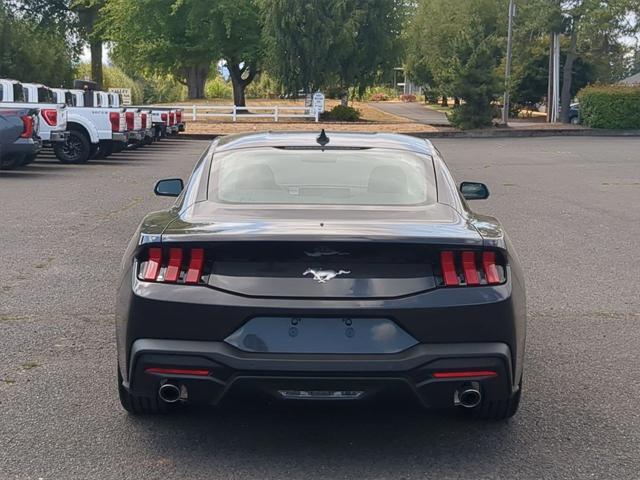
x,y
114,118
471,275
153,264
490,269
27,126
195,266
173,268
449,269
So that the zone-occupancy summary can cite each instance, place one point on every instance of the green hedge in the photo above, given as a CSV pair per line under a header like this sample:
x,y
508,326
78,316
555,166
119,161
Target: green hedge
x,y
610,106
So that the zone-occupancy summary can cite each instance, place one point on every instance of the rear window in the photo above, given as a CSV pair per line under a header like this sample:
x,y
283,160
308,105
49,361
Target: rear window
x,y
45,95
70,99
18,93
330,177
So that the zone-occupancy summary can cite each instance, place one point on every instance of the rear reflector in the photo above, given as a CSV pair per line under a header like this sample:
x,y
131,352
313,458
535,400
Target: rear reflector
x,y
153,264
449,269
178,371
490,269
195,266
173,268
469,267
466,374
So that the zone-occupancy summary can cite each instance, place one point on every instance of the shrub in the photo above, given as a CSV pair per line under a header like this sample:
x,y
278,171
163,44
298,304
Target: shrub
x,y
408,98
217,88
340,113
379,97
610,106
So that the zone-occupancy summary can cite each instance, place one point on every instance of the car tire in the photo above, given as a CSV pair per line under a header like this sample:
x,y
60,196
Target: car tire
x,y
140,405
104,150
9,162
76,149
499,410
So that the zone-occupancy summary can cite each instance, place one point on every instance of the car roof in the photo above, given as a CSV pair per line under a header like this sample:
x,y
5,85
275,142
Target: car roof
x,y
336,140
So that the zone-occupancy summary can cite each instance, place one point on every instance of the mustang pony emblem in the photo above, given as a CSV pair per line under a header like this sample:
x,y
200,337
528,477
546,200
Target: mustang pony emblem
x,y
323,276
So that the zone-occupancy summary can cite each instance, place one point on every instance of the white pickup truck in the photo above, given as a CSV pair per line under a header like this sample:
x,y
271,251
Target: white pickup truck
x,y
133,115
52,128
95,131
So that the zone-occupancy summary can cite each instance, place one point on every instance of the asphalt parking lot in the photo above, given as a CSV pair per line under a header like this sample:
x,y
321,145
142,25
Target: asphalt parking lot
x,y
572,207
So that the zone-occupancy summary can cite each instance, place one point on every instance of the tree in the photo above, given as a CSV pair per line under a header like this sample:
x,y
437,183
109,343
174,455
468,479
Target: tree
x,y
31,51
88,12
160,37
234,27
312,44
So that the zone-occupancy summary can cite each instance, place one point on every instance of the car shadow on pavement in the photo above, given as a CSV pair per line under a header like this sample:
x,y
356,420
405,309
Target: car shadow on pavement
x,y
389,437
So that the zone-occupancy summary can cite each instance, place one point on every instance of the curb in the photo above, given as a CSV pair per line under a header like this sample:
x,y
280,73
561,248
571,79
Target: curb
x,y
496,133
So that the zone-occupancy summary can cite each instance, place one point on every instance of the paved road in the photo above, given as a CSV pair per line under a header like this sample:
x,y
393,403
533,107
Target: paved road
x,y
413,111
571,206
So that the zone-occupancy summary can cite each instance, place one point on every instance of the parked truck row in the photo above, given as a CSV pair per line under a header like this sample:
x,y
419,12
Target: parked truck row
x,y
80,124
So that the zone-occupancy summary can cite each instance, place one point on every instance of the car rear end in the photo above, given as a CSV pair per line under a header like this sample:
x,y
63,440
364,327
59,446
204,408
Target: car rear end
x,y
19,139
338,283
119,128
134,126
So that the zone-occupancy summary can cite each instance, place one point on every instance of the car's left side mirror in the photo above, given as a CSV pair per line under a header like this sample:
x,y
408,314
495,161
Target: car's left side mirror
x,y
169,187
474,190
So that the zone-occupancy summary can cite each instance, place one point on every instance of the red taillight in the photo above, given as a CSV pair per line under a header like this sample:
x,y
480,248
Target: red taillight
x,y
50,116
114,118
195,266
466,374
477,268
27,130
449,273
163,117
178,371
490,269
153,264
129,118
471,275
172,118
179,116
144,120
179,266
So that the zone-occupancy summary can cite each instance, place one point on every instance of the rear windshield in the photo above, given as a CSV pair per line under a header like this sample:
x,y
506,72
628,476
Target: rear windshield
x,y
331,177
45,95
18,93
70,99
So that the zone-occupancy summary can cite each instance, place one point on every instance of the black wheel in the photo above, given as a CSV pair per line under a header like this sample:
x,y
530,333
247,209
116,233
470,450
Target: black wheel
x,y
9,162
500,410
139,405
76,149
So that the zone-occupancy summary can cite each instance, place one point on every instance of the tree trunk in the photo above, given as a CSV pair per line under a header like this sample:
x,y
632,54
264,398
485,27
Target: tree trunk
x,y
196,77
96,62
567,75
239,81
445,101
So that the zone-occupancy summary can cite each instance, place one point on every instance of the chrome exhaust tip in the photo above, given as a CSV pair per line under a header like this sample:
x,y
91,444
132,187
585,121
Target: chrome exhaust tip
x,y
169,393
468,396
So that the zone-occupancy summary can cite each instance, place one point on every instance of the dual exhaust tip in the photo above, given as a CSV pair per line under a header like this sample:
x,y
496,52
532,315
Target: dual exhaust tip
x,y
468,396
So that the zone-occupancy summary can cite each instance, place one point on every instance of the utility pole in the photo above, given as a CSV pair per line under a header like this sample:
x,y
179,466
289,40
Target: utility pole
x,y
507,72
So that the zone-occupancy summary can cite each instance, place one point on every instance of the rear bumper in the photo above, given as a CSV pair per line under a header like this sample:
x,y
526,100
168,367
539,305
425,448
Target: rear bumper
x,y
120,136
22,146
233,371
135,135
59,136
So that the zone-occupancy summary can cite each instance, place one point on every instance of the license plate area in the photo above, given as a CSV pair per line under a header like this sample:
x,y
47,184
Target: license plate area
x,y
339,335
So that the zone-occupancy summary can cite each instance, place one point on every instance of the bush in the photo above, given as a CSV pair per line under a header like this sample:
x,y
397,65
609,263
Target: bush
x,y
340,113
217,88
408,98
114,77
610,106
378,97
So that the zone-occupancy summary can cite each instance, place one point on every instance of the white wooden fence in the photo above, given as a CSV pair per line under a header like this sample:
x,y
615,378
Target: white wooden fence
x,y
275,112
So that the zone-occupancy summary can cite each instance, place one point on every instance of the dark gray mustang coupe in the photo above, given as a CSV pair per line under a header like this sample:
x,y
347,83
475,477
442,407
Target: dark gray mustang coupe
x,y
334,267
